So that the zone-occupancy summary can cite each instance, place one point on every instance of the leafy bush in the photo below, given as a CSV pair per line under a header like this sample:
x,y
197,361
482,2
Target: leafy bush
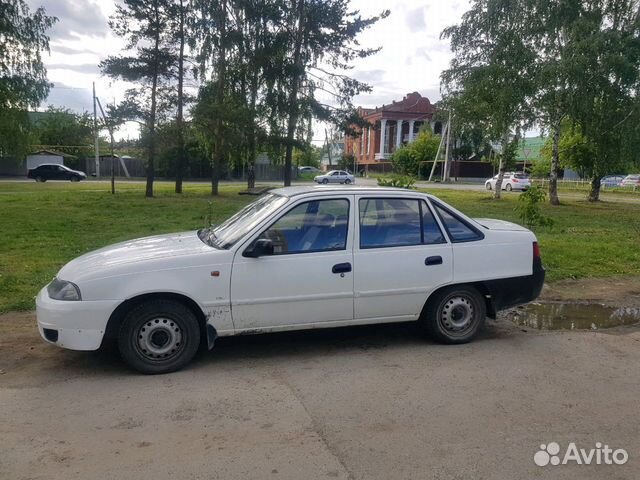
x,y
529,208
407,159
398,181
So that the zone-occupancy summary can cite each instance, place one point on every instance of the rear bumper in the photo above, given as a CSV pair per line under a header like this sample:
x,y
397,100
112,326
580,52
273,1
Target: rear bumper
x,y
73,325
509,292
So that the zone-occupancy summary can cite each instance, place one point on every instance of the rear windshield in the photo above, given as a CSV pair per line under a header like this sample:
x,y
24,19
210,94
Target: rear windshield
x,y
520,175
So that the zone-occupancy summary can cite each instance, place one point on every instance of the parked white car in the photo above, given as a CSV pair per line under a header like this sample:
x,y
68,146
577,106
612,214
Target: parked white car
x,y
296,258
510,181
335,176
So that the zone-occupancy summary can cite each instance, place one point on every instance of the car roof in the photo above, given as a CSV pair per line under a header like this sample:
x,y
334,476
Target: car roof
x,y
50,165
338,190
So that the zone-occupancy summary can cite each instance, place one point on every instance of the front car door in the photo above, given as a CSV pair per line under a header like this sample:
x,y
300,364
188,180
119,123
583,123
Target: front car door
x,y
308,280
401,255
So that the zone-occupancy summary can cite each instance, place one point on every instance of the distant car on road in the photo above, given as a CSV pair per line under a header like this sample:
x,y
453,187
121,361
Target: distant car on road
x,y
308,170
612,180
53,171
632,180
335,176
510,181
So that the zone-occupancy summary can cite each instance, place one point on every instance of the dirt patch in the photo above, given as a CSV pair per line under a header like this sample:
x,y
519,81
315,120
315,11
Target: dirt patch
x,y
614,291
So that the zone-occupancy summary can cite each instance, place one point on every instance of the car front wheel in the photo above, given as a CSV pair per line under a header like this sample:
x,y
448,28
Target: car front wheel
x,y
454,315
75,179
159,336
325,181
347,182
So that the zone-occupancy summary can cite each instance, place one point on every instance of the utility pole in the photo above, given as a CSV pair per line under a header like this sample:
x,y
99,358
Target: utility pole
x,y
326,141
435,160
95,129
446,177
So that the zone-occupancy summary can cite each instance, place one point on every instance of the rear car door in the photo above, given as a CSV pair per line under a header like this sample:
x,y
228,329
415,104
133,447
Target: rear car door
x,y
308,279
401,255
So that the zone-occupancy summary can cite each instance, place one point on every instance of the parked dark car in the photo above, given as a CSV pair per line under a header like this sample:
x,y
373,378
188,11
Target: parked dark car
x,y
53,171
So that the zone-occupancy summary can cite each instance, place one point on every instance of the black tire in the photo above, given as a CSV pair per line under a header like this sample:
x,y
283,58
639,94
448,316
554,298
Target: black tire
x,y
75,179
441,316
347,182
508,188
159,336
325,181
39,179
487,186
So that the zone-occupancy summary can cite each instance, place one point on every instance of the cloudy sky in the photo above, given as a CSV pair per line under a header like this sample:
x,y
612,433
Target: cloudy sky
x,y
411,59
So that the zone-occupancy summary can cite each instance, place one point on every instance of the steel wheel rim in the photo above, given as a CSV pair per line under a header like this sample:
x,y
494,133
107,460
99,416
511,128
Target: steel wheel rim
x,y
159,339
457,315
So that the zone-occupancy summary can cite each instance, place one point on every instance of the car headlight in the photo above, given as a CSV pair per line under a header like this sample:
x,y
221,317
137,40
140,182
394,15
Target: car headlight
x,y
63,290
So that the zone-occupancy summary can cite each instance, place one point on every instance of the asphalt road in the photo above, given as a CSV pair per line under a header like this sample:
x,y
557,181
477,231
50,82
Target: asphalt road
x,y
359,403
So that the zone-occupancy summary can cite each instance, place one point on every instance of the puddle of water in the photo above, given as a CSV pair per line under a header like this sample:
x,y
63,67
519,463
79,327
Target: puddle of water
x,y
572,316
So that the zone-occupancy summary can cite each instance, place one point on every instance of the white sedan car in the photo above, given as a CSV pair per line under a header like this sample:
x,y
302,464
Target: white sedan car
x,y
510,181
296,258
335,176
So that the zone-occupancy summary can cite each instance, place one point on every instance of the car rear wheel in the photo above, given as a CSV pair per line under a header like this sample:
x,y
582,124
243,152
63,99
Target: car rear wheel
x,y
488,185
159,336
325,181
39,179
454,315
508,188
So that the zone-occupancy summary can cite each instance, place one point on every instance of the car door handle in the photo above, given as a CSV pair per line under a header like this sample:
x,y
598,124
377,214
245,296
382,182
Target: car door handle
x,y
341,268
435,260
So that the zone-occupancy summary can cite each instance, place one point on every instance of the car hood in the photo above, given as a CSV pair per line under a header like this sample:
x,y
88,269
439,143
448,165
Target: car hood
x,y
135,251
493,224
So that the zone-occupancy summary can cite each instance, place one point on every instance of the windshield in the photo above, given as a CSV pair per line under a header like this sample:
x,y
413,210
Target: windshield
x,y
234,228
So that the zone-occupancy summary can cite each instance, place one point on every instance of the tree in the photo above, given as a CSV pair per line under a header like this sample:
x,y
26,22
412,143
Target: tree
x,y
146,25
604,45
491,77
320,41
550,24
23,78
180,35
63,130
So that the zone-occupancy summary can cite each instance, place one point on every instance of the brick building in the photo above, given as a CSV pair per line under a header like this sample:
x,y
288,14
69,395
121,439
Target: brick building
x,y
390,127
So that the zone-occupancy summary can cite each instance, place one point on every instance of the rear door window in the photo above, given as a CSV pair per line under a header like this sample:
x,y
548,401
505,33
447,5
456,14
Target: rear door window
x,y
396,222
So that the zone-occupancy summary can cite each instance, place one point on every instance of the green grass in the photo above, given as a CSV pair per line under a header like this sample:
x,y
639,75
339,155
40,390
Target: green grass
x,y
43,226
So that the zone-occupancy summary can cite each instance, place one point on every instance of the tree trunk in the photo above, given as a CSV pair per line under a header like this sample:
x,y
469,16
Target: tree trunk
x,y
594,193
251,177
179,117
293,95
501,167
553,176
218,155
152,115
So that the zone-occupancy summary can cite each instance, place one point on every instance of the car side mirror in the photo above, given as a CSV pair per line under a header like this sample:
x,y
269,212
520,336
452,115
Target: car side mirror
x,y
261,247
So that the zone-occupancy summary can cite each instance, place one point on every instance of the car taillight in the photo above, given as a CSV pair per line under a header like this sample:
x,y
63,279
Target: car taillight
x,y
514,180
536,250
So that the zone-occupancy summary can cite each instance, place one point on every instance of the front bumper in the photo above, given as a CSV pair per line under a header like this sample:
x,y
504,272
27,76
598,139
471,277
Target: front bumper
x,y
74,325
